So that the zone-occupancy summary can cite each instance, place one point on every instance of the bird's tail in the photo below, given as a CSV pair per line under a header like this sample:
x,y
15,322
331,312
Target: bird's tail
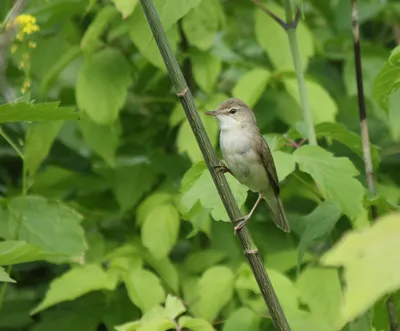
x,y
277,212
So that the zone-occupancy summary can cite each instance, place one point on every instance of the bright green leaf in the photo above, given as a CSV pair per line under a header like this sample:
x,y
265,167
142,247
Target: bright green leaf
x,y
388,80
4,277
285,164
197,185
394,115
50,225
21,111
318,223
75,283
151,202
144,288
206,69
195,324
198,262
256,78
267,29
242,319
334,177
103,139
320,289
368,256
125,7
102,85
166,270
323,107
214,290
160,230
174,307
39,138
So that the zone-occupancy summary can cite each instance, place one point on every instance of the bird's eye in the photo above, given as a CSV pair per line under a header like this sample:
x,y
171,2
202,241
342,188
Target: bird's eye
x,y
233,111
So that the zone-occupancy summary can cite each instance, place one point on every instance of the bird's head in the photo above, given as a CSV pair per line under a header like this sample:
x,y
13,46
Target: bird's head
x,y
233,113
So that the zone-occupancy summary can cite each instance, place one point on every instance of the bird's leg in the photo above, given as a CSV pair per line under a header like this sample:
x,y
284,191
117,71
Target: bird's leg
x,y
244,220
222,168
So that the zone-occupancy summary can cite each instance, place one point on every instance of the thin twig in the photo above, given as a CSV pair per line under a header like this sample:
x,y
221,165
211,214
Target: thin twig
x,y
369,171
185,96
10,141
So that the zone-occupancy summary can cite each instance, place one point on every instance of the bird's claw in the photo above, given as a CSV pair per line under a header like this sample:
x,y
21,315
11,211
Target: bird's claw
x,y
241,223
222,168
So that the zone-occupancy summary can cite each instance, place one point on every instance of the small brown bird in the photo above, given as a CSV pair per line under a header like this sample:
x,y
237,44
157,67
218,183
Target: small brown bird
x,y
249,158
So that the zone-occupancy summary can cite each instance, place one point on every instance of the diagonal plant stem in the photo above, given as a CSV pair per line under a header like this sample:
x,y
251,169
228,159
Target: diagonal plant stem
x,y
185,96
369,170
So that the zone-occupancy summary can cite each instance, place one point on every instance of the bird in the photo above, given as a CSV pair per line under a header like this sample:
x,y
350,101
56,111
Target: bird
x,y
248,158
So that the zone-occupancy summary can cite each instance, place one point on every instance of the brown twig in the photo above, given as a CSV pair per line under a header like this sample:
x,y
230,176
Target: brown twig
x,y
369,171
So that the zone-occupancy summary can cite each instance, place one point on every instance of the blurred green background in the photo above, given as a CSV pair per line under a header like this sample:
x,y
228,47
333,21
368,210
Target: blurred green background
x,y
109,218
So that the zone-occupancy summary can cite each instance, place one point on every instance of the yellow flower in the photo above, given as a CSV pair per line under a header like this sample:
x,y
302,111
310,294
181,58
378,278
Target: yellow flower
x,y
27,25
32,44
26,85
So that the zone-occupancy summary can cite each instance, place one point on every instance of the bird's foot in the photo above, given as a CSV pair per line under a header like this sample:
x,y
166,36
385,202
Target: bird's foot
x,y
241,223
222,168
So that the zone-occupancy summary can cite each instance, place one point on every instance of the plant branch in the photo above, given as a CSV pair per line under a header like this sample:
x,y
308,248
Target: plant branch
x,y
369,171
185,96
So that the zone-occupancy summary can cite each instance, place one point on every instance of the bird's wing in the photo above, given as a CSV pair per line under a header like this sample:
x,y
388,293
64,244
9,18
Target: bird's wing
x,y
268,162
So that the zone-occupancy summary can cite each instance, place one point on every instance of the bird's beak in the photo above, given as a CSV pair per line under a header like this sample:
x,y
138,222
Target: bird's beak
x,y
211,113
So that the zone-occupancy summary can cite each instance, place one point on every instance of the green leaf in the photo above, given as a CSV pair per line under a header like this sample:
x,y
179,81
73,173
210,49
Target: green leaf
x,y
166,270
318,223
144,288
368,256
75,283
387,80
394,115
91,38
214,290
125,7
197,185
195,324
242,319
174,307
160,230
102,84
201,24
50,225
15,252
256,78
334,177
206,69
151,202
317,96
198,262
340,133
285,164
39,139
4,277
21,111
267,29
103,139
320,290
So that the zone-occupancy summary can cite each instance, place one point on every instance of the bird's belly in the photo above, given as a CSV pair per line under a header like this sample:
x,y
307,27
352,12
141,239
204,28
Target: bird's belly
x,y
244,163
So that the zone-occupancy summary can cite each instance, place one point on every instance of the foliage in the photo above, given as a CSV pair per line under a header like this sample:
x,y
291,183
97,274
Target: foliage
x,y
109,218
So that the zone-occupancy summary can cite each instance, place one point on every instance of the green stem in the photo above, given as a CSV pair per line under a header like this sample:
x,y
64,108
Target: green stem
x,y
12,144
185,96
301,82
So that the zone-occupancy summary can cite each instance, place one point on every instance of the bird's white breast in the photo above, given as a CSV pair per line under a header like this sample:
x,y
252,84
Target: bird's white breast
x,y
242,159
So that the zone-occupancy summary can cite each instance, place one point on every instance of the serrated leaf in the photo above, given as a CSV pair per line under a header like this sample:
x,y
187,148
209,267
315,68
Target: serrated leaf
x,y
387,80
101,88
317,96
320,289
206,69
125,7
214,290
21,111
75,283
340,133
144,288
334,176
256,78
15,252
318,223
368,256
195,324
174,307
242,319
197,185
103,139
50,225
39,139
160,230
267,29
4,277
